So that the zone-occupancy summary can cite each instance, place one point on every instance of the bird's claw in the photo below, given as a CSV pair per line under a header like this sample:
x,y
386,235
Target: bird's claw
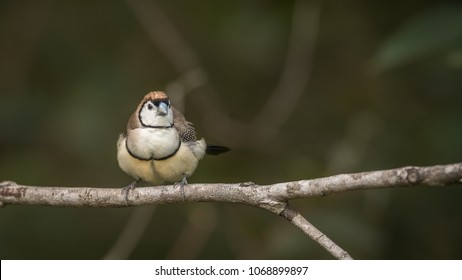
x,y
183,182
126,190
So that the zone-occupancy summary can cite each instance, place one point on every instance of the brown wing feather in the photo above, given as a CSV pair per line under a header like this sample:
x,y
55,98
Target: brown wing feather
x,y
185,128
133,122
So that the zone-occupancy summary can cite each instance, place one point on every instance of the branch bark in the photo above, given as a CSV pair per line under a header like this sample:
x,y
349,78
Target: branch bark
x,y
274,198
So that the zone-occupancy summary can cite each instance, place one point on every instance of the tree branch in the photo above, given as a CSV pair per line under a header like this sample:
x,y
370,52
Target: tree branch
x,y
273,198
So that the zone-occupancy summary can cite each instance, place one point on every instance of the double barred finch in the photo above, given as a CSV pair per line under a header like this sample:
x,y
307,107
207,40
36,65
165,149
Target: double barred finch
x,y
160,145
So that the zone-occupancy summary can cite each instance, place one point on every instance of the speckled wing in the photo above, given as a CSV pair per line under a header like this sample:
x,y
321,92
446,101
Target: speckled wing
x,y
185,128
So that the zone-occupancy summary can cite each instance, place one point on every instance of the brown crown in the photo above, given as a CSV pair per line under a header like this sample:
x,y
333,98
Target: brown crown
x,y
155,95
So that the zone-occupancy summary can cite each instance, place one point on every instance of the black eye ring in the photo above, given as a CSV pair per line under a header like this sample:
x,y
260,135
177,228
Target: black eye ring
x,y
150,106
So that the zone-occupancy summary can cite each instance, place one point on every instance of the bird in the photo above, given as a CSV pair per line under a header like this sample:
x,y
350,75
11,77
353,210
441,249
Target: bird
x,y
160,146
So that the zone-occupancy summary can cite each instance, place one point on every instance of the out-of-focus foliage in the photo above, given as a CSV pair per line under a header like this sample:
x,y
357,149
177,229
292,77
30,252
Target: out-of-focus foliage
x,y
434,32
71,73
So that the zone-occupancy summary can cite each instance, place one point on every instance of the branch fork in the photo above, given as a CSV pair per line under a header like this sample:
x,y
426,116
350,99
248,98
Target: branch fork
x,y
274,198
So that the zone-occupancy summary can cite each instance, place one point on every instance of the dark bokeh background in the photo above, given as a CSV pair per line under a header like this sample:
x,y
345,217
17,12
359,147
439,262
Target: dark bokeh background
x,y
366,85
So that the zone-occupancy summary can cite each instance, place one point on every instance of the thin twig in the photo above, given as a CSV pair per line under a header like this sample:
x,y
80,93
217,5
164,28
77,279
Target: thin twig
x,y
299,221
270,197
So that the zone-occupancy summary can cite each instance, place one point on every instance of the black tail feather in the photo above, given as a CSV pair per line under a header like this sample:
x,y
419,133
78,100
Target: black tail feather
x,y
216,150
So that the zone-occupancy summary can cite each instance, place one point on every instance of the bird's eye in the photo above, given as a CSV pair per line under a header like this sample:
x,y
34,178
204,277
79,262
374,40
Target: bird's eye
x,y
150,106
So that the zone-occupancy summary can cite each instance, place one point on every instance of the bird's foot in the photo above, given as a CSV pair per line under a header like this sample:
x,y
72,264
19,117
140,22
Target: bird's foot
x,y
182,183
126,190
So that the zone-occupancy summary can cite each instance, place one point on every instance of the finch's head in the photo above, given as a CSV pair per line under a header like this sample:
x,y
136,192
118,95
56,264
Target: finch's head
x,y
155,110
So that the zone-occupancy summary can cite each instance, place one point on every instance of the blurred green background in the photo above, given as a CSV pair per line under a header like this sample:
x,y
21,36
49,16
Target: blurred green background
x,y
298,90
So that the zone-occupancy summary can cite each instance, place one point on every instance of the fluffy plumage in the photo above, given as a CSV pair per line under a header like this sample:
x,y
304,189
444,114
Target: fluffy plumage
x,y
160,145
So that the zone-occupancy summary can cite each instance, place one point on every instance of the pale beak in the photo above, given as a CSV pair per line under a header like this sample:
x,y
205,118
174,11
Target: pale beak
x,y
162,109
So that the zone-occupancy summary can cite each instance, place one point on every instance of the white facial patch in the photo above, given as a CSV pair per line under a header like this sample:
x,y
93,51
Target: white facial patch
x,y
151,116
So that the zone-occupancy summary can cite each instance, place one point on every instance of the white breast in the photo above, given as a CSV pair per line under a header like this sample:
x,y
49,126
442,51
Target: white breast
x,y
153,143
